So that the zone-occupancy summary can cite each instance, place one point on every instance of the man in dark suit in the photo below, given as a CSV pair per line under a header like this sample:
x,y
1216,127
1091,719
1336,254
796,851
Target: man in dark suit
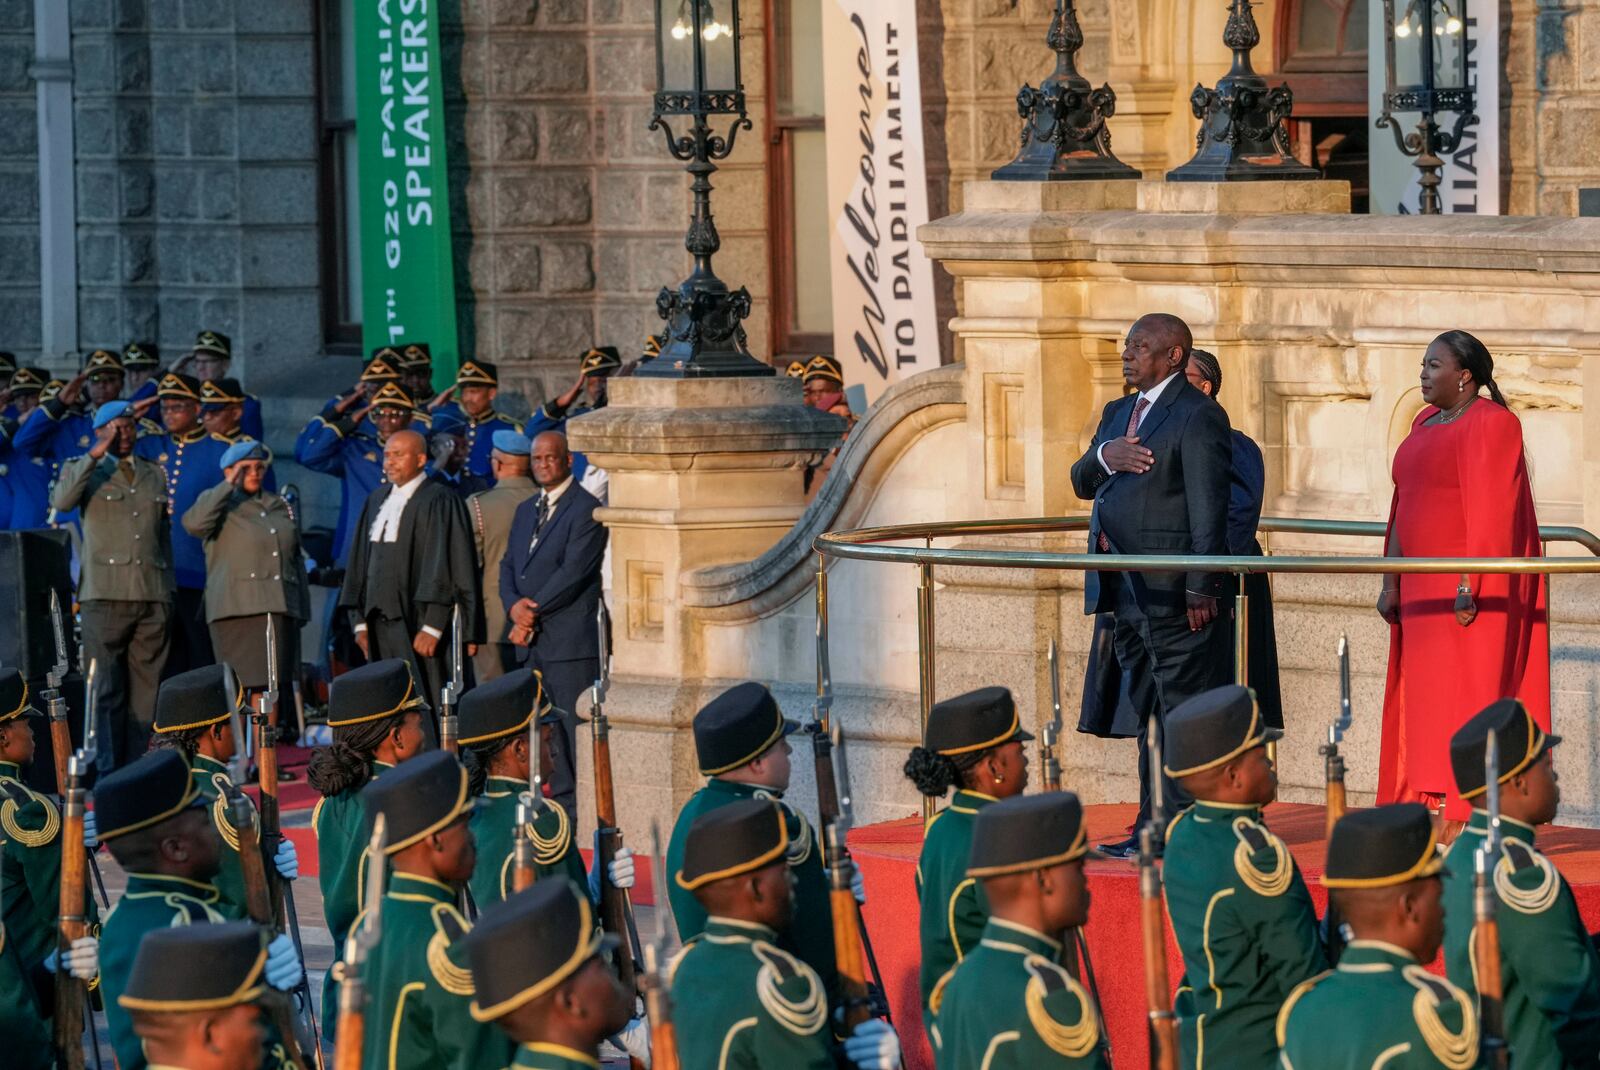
x,y
411,564
1158,474
550,585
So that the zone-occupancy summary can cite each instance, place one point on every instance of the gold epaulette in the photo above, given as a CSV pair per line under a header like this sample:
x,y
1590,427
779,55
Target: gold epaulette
x,y
38,837
220,815
1520,863
936,997
1294,997
548,850
1261,859
803,1016
1074,1040
448,927
1455,1051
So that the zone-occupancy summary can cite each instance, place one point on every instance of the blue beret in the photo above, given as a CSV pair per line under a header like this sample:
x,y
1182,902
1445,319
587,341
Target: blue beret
x,y
246,449
509,441
111,410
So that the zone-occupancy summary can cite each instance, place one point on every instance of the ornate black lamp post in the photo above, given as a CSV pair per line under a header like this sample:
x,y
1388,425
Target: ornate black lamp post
x,y
1064,133
1242,134
1425,71
698,75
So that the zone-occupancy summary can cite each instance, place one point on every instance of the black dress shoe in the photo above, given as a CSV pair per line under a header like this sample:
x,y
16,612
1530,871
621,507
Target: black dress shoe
x,y
1127,849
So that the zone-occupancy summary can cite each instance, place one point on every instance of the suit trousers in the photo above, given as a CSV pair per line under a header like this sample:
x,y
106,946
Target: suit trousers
x,y
493,660
1165,664
391,638
128,641
191,638
564,682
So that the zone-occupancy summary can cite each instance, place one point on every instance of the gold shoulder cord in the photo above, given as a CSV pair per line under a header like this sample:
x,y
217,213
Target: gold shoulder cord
x,y
30,837
1531,900
1456,1051
936,997
219,816
803,1017
452,978
1270,884
1073,1041
547,850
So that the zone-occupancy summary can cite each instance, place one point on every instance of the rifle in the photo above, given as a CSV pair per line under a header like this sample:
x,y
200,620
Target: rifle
x,y
450,694
352,1033
528,806
657,996
295,1031
849,949
616,914
71,994
1334,766
55,702
1050,733
1157,989
1485,928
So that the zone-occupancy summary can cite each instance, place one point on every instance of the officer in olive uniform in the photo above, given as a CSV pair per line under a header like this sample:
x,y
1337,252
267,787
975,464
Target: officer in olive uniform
x,y
1549,972
24,480
741,740
189,455
30,837
539,974
343,449
1009,1003
210,359
125,585
492,512
194,995
1381,1007
974,744
153,819
194,715
417,978
740,1000
376,715
1239,907
477,384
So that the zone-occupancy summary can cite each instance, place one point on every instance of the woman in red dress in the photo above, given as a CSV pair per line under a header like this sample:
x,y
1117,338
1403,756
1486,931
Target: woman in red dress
x,y
1458,643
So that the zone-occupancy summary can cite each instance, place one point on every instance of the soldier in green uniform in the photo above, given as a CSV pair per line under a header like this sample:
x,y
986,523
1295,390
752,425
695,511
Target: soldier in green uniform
x,y
740,1001
22,1016
1239,907
1549,972
974,743
1009,1003
195,993
419,987
376,716
1381,1007
154,821
541,976
30,838
741,741
193,716
494,746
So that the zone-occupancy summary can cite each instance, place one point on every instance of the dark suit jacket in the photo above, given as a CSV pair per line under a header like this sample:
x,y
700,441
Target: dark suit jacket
x,y
1180,506
561,574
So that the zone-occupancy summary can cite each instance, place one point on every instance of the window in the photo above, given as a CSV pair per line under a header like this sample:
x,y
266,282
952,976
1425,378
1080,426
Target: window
x,y
802,305
339,195
1322,54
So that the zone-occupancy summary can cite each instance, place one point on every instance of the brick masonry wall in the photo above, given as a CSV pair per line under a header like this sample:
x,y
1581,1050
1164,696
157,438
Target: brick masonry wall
x,y
19,183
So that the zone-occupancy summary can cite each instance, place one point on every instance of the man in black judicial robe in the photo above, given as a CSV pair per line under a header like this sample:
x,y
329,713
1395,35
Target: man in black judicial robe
x,y
411,563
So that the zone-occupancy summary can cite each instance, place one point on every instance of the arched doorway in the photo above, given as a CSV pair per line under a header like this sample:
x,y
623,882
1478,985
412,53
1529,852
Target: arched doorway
x,y
1321,51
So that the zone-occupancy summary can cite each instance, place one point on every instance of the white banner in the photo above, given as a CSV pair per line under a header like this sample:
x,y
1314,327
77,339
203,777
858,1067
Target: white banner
x,y
884,324
1471,174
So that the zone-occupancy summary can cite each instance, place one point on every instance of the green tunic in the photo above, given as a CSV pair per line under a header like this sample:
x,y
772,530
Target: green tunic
x,y
22,1022
810,934
30,867
552,1057
420,987
740,1002
493,821
340,824
211,777
1248,932
1008,1004
954,910
1548,967
1380,1008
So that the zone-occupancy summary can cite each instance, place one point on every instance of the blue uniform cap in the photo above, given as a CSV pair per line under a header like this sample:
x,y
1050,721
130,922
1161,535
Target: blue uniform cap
x,y
509,441
246,449
111,410
446,424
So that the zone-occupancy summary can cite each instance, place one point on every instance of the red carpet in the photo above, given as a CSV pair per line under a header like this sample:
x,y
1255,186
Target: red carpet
x,y
887,855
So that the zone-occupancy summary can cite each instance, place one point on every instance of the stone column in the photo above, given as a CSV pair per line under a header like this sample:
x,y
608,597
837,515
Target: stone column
x,y
703,472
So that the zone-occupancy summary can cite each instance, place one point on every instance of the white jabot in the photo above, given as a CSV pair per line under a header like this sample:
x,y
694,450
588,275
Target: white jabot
x,y
386,525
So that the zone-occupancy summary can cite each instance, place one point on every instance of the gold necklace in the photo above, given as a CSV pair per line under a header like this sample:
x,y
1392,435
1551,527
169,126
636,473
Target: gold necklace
x,y
1445,418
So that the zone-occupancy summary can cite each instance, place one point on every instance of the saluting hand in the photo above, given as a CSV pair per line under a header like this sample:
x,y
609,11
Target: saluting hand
x,y
102,440
344,404
1126,455
441,399
142,407
73,390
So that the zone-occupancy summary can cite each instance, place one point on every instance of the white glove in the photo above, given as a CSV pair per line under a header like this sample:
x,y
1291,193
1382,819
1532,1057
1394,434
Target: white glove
x,y
858,885
287,859
873,1046
634,1038
91,830
82,959
621,869
283,964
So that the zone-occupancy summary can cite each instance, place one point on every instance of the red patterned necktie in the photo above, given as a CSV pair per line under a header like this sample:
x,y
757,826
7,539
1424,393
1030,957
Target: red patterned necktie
x,y
1133,425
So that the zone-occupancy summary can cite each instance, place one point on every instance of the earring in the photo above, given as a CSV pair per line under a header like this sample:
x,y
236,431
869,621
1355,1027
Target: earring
x,y
998,779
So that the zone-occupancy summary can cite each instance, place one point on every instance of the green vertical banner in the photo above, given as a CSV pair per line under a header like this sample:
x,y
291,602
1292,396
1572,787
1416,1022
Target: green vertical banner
x,y
408,285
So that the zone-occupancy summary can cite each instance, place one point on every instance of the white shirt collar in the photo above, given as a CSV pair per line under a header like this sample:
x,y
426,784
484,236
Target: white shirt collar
x,y
404,491
1154,393
553,494
386,525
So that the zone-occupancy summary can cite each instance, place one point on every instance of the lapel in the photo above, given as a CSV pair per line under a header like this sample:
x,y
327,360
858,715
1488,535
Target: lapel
x,y
559,510
1158,412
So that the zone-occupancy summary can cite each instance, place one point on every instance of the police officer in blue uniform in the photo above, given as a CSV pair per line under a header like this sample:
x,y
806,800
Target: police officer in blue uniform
x,y
208,362
472,399
67,427
24,481
190,457
341,448
416,372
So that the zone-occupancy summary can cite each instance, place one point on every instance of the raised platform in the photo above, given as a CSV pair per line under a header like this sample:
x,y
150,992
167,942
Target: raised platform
x,y
887,855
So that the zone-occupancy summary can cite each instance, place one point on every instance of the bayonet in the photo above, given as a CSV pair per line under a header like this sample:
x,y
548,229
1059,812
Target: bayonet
x,y
1050,734
89,753
1485,941
1158,795
450,694
56,703
1491,763
58,672
602,684
822,709
239,765
273,693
